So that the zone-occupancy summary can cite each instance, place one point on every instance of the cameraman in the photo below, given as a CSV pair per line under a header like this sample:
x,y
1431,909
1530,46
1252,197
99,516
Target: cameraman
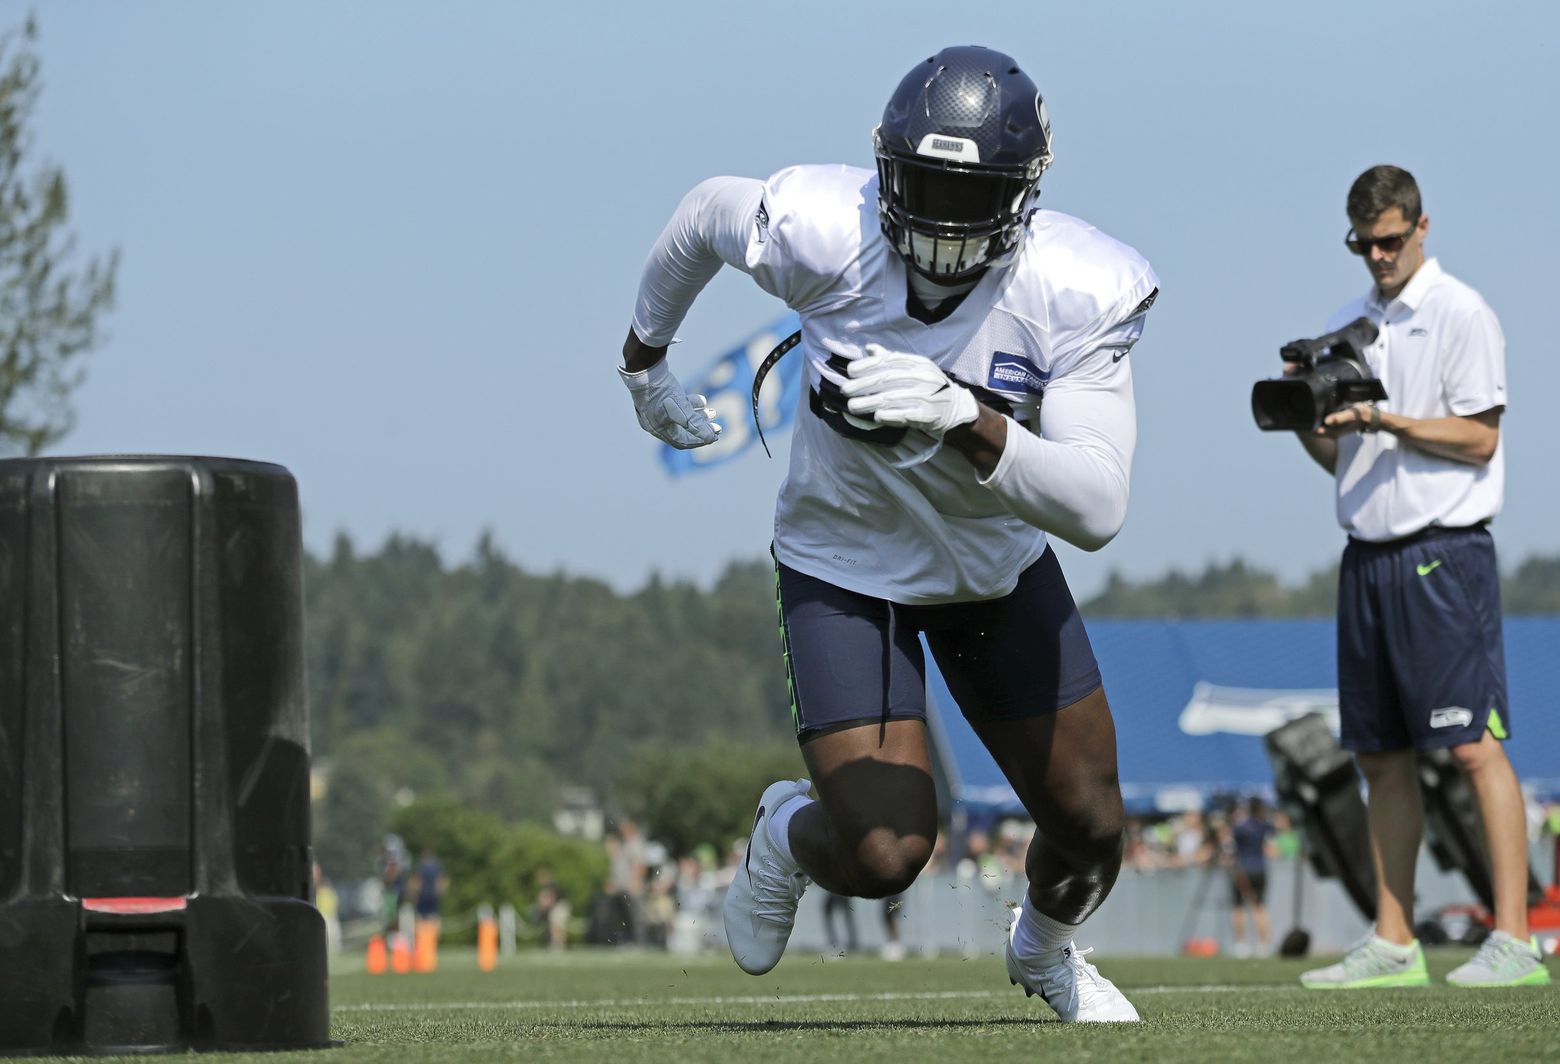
x,y
1420,658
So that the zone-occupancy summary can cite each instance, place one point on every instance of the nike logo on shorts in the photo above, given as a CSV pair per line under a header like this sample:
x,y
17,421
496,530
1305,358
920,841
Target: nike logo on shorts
x,y
1426,570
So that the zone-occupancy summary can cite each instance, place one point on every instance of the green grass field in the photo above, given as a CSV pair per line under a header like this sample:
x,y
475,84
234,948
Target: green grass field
x,y
629,1007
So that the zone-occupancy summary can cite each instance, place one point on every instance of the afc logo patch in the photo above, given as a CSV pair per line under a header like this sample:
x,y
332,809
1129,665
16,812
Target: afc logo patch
x,y
1015,373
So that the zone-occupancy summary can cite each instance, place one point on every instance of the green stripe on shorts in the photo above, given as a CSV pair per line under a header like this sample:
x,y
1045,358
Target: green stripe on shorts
x,y
785,643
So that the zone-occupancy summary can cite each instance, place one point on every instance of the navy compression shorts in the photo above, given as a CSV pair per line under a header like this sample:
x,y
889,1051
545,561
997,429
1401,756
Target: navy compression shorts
x,y
854,660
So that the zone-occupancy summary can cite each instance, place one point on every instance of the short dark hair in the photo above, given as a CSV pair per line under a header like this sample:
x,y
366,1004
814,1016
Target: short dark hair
x,y
1381,188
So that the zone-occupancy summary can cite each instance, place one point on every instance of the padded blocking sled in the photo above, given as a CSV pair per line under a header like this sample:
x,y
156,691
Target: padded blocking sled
x,y
155,867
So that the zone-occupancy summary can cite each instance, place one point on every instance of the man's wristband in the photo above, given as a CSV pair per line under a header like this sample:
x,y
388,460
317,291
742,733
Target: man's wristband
x,y
1374,424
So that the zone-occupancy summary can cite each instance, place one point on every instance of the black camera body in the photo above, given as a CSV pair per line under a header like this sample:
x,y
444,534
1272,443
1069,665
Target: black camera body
x,y
1333,375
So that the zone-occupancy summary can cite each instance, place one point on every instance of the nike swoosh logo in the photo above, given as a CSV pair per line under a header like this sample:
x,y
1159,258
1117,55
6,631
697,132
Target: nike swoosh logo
x,y
1118,356
748,857
1426,570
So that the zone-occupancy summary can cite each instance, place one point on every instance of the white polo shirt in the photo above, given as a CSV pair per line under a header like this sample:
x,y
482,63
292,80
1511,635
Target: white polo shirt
x,y
1440,352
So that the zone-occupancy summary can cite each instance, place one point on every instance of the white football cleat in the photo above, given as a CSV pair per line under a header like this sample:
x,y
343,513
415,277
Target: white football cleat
x,y
760,905
1073,987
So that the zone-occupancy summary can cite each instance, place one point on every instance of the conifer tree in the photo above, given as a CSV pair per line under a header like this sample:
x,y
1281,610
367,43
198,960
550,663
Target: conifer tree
x,y
49,307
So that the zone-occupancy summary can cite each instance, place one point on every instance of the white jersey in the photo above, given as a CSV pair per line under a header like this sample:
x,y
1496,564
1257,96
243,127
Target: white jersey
x,y
1440,352
1048,332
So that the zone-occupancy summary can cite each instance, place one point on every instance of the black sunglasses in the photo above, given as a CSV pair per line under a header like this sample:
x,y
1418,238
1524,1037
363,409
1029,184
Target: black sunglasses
x,y
1391,245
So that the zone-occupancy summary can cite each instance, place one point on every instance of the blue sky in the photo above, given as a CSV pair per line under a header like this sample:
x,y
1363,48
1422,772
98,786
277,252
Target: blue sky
x,y
394,246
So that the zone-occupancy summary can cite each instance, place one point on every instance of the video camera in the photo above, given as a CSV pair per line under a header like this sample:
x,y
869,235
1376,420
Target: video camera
x,y
1333,374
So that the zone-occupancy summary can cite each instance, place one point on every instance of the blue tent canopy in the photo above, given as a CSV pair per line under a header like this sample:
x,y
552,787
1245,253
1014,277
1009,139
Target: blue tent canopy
x,y
1192,700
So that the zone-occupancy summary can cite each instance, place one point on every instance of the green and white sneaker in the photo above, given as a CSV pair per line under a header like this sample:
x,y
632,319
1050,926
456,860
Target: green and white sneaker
x,y
1503,960
1373,963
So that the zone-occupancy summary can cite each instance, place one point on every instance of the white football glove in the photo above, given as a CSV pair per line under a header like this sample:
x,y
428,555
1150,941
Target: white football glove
x,y
899,389
667,412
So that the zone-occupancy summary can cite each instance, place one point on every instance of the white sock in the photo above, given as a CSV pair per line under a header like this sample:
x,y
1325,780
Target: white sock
x,y
780,825
1401,951
1036,935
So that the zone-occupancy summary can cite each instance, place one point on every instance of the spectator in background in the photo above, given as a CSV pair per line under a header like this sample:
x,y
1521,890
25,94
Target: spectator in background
x,y
392,892
731,864
697,882
893,948
1160,836
1286,840
1135,853
837,906
614,911
427,886
1013,840
1194,844
551,912
631,867
628,863
1252,840
659,909
614,916
979,862
328,903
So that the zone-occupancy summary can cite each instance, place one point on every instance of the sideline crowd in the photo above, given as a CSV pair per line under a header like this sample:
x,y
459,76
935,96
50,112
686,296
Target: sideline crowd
x,y
649,898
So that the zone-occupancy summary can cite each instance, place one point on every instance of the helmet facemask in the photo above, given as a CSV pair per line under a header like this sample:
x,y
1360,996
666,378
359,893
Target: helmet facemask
x,y
950,220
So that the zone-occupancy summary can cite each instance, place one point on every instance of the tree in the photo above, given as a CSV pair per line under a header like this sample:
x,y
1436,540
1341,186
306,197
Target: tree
x,y
491,862
691,796
48,311
1534,587
367,777
1233,590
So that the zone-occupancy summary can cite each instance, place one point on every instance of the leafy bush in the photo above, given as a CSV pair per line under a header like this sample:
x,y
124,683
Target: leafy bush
x,y
687,796
492,862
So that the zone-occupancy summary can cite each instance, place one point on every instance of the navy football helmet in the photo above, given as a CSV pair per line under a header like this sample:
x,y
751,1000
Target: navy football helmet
x,y
960,150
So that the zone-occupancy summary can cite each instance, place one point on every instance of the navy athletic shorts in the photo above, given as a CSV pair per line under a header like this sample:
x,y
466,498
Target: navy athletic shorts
x,y
1421,660
1250,889
853,659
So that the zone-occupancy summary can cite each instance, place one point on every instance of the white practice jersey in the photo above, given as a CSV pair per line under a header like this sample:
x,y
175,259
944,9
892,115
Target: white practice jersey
x,y
1439,353
1048,333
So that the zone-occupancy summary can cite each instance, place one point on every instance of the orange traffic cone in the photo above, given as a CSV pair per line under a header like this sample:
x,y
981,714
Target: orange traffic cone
x,y
400,954
426,957
487,943
375,960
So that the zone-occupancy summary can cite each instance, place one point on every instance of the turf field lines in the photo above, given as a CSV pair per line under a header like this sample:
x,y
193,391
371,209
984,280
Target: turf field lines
x,y
768,999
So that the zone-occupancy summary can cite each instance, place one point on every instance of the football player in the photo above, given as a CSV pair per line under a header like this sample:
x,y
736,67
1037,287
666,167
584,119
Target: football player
x,y
969,394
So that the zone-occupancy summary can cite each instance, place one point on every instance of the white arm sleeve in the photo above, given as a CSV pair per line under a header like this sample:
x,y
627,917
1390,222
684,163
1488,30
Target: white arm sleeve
x,y
709,229
1072,480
